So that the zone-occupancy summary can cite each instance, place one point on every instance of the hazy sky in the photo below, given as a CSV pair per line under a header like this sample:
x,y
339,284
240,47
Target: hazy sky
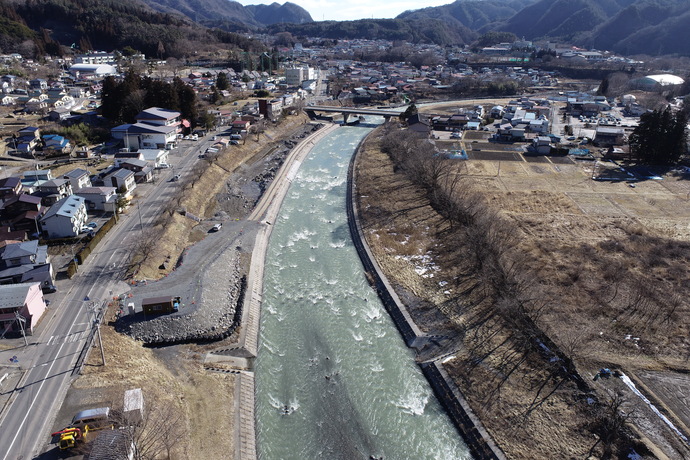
x,y
345,10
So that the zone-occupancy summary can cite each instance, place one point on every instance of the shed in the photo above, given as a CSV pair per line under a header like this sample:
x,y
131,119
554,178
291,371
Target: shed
x,y
160,305
133,408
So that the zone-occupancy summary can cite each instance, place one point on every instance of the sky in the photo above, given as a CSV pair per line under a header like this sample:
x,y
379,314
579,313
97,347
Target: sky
x,y
347,10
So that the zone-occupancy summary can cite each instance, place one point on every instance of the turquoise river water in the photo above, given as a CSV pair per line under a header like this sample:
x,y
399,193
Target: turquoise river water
x,y
334,379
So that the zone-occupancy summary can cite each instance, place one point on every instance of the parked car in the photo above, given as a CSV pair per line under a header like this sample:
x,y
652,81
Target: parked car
x,y
175,178
163,166
92,225
216,227
85,229
194,137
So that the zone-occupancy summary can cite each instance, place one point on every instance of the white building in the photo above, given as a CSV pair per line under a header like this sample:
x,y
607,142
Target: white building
x,y
295,76
156,157
121,178
92,70
96,57
65,218
79,178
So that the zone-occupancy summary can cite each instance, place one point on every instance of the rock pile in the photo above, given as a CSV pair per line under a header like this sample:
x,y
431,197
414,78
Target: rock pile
x,y
214,317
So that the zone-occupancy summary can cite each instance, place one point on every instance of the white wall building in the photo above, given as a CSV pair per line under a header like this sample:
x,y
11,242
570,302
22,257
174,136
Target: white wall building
x,y
65,218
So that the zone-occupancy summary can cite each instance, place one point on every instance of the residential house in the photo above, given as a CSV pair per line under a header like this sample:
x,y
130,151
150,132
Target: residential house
x,y
21,307
27,139
121,157
23,262
607,136
419,124
141,169
22,213
38,84
123,180
59,114
79,178
156,157
54,190
542,145
238,126
65,218
270,108
7,235
56,143
8,100
10,186
38,175
99,198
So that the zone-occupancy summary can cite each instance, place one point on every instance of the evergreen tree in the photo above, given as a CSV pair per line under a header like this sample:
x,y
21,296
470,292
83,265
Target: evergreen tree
x,y
222,81
660,137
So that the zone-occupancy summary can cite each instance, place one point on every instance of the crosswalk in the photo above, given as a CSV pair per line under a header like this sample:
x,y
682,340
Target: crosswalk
x,y
69,338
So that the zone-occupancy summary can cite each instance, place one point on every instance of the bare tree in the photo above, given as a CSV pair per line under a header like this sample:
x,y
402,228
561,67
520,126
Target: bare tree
x,y
155,433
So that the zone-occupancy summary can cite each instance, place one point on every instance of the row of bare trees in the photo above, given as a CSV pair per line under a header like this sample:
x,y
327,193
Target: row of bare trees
x,y
497,293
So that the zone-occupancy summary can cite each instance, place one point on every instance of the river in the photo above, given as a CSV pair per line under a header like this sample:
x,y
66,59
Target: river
x,y
334,379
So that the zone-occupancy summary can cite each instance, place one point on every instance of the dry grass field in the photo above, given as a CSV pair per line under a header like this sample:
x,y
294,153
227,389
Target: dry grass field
x,y
606,264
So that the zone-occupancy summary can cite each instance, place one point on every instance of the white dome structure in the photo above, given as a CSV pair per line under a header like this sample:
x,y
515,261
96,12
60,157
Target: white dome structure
x,y
99,70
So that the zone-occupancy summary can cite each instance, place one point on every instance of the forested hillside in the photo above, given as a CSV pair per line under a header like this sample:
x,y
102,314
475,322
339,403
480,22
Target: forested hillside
x,y
36,27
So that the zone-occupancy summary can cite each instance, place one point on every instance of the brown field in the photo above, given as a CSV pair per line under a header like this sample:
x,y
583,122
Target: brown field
x,y
609,265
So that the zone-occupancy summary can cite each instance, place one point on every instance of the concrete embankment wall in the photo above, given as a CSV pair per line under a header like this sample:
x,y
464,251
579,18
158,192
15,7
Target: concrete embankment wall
x,y
473,433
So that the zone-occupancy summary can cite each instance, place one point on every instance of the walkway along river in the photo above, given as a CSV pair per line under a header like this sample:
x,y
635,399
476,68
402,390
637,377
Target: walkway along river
x,y
334,379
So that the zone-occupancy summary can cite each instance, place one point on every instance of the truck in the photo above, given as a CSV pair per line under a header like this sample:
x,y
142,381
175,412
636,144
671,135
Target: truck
x,y
82,423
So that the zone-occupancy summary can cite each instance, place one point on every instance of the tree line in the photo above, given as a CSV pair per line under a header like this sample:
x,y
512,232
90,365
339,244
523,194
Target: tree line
x,y
122,100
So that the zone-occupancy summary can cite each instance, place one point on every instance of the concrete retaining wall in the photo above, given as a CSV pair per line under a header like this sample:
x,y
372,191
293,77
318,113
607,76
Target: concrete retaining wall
x,y
473,433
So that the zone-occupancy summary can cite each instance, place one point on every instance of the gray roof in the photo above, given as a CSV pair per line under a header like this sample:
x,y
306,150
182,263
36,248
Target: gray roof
x,y
95,190
76,173
65,207
157,113
14,295
16,250
135,162
122,173
146,128
54,183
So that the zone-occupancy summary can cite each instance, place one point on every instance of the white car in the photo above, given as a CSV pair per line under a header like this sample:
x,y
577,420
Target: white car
x,y
194,137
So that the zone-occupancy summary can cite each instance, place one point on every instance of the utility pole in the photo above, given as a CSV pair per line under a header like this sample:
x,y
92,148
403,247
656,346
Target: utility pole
x,y
97,325
21,320
141,226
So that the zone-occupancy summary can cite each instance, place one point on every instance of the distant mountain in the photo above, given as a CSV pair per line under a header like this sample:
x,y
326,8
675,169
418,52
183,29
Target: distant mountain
x,y
562,19
652,27
232,15
473,14
412,30
275,13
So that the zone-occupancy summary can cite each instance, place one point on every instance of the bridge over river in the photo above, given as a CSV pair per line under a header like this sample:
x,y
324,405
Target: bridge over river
x,y
347,111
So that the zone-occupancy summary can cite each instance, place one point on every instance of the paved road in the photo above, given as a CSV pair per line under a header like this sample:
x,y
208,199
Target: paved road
x,y
51,356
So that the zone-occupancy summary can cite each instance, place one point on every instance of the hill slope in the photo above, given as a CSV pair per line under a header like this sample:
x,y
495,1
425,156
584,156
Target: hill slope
x,y
232,15
37,27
